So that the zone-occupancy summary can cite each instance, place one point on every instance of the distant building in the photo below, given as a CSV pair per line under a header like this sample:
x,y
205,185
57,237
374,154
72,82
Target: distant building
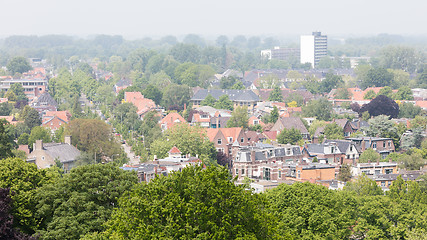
x,y
313,48
239,97
279,53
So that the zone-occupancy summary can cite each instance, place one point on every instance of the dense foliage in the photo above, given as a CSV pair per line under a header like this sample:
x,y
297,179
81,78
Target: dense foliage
x,y
192,204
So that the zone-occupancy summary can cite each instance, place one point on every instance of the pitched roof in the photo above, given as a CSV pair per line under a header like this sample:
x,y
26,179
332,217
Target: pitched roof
x,y
172,119
341,122
64,152
234,95
293,122
272,135
63,115
211,133
341,144
44,100
137,99
174,149
231,132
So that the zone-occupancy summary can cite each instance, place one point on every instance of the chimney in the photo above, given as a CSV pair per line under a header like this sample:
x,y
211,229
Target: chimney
x,y
67,139
253,156
38,145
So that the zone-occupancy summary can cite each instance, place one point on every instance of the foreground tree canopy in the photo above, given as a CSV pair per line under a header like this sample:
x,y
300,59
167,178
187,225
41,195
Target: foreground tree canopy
x,y
192,204
81,201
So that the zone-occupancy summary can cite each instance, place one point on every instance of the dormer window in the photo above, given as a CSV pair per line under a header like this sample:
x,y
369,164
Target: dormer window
x,y
219,141
242,140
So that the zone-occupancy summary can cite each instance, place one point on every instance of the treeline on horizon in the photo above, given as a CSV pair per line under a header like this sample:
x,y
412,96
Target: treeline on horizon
x,y
105,46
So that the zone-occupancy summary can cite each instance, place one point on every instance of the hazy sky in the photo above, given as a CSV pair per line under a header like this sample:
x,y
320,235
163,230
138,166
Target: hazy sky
x,y
140,18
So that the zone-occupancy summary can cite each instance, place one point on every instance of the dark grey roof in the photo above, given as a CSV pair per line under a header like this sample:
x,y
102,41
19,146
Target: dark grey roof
x,y
341,144
234,95
315,148
123,82
296,151
278,152
355,124
63,151
147,167
45,100
260,156
263,145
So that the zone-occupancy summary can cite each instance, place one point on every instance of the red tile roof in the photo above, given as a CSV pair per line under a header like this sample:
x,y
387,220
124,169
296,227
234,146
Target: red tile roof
x,y
174,149
172,119
143,104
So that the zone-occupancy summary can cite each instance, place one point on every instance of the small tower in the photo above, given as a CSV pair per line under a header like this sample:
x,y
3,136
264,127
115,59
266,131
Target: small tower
x,y
174,152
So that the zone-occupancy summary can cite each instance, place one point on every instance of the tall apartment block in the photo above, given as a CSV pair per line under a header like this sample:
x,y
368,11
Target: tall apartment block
x,y
313,48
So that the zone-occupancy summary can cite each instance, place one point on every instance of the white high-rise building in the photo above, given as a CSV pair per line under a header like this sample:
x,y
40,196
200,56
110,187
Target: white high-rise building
x,y
313,48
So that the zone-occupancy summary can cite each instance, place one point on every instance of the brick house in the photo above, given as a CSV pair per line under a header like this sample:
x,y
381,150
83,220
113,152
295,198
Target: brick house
x,y
384,146
44,155
54,120
143,104
264,161
224,138
325,152
312,172
170,120
289,123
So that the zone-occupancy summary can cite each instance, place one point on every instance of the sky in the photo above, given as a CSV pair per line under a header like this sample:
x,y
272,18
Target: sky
x,y
142,18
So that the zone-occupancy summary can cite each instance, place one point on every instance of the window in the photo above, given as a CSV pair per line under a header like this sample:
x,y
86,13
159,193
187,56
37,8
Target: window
x,y
388,171
219,141
382,184
351,148
256,122
288,151
237,171
243,171
377,172
242,140
230,139
299,174
348,156
280,174
374,145
332,149
389,143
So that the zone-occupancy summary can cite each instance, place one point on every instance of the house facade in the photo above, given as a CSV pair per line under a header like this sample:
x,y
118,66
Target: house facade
x,y
239,97
289,123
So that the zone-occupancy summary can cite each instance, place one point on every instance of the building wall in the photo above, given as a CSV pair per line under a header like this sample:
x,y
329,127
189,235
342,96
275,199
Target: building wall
x,y
316,174
307,49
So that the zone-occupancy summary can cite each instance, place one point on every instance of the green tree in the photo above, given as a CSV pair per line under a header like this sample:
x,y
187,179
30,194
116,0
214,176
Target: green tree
x,y
295,97
404,93
18,65
289,136
276,95
330,82
18,90
150,128
39,133
363,186
342,93
369,155
227,82
333,131
409,110
370,94
6,143
386,91
412,161
345,173
224,103
321,109
81,201
238,86
92,135
208,101
382,127
195,209
274,115
188,139
309,211
401,57
377,77
178,95
23,179
239,118
23,139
